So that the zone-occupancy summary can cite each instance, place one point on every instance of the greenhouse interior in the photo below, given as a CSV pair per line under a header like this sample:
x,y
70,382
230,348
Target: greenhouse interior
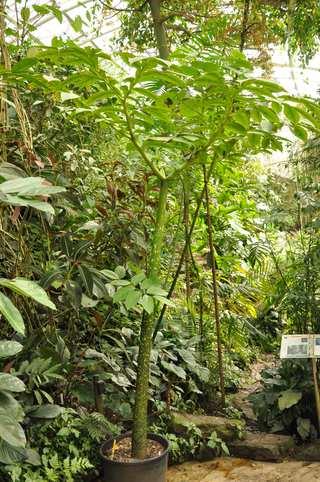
x,y
159,240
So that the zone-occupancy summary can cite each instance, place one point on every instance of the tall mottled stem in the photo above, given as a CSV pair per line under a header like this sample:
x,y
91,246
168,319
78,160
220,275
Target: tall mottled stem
x,y
159,29
140,426
215,290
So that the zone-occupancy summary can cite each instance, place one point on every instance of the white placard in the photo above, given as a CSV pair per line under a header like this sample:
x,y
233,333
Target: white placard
x,y
300,346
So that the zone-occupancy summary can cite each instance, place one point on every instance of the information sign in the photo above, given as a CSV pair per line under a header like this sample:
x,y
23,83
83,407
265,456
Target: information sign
x,y
300,346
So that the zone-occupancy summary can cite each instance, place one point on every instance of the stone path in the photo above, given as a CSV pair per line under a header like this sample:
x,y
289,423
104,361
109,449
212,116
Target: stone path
x,y
241,470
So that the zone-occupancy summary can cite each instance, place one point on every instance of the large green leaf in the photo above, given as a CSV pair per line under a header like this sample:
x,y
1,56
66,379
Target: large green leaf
x,y
171,367
11,431
304,427
32,203
288,398
10,383
147,303
122,293
12,314
28,288
9,348
132,299
30,186
11,455
46,411
10,406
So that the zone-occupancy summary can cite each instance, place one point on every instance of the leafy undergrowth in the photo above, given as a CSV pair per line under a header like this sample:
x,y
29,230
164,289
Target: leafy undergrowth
x,y
286,402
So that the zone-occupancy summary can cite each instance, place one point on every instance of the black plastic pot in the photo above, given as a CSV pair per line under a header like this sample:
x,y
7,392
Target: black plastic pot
x,y
147,470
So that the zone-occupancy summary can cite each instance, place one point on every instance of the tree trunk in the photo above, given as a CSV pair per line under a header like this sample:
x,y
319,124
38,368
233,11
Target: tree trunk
x,y
244,28
159,29
140,423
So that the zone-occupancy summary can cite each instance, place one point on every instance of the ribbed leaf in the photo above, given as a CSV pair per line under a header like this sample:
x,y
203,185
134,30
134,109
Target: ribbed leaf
x,y
11,455
28,288
46,411
10,406
11,431
32,203
30,186
11,314
9,348
10,383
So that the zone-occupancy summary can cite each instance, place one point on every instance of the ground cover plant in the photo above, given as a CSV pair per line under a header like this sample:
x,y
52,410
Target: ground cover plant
x,y
147,255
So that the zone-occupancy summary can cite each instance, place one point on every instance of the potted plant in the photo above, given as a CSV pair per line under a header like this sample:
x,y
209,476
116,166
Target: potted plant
x,y
200,109
140,293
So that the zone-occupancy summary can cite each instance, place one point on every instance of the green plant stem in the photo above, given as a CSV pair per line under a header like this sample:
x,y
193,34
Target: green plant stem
x,y
140,426
184,250
215,290
159,29
186,216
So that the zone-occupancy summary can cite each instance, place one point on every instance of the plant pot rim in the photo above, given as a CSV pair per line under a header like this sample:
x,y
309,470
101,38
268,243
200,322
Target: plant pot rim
x,y
151,436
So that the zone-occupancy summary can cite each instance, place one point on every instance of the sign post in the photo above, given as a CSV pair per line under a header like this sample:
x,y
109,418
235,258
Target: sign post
x,y
316,388
304,346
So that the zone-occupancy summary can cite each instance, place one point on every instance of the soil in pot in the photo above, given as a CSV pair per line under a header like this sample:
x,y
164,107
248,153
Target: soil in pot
x,y
121,450
119,466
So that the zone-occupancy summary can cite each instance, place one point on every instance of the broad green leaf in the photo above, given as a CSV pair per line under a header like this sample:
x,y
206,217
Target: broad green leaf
x,y
237,128
10,383
121,271
9,348
122,293
269,114
171,367
138,278
30,186
10,406
28,288
254,139
165,301
156,290
132,299
33,457
120,282
291,113
11,455
19,201
264,86
148,282
68,96
87,302
10,171
304,427
242,118
300,132
11,431
25,14
147,303
11,314
288,398
47,9
109,274
46,411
